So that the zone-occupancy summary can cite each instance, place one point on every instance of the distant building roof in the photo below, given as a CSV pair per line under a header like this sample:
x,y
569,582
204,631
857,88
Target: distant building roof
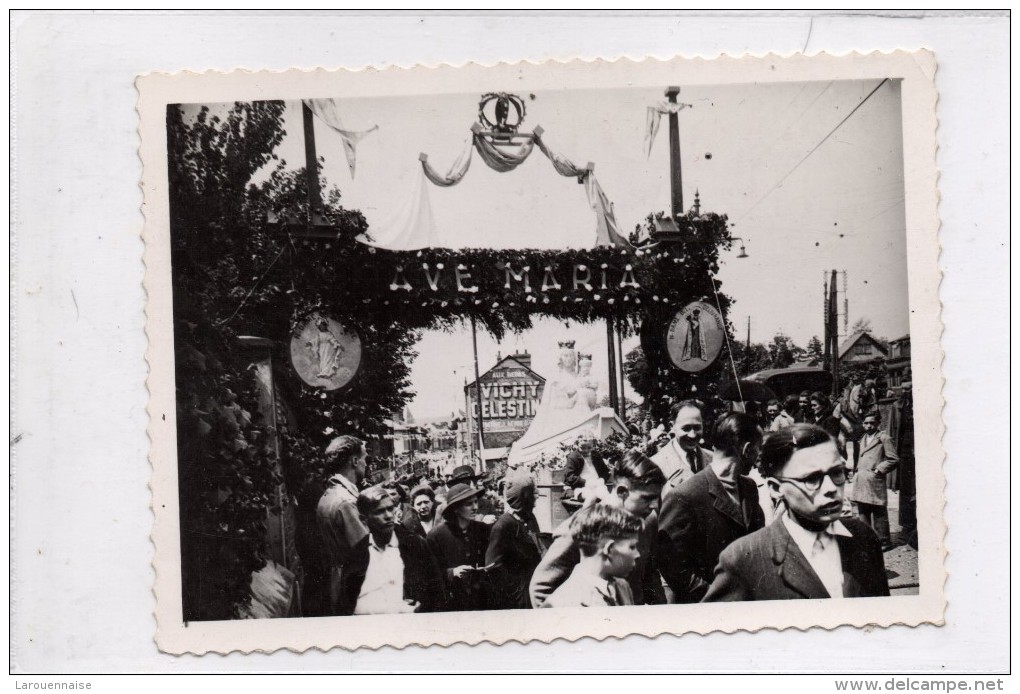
x,y
508,359
857,337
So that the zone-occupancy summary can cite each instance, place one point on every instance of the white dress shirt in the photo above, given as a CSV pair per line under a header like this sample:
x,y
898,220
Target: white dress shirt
x,y
588,473
822,552
383,589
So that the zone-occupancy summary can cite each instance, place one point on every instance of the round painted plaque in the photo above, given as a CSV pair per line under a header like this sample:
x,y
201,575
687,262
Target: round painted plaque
x,y
325,353
695,337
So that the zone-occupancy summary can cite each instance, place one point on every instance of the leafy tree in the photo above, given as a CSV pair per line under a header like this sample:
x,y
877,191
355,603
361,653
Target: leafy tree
x,y
748,361
227,473
235,275
782,351
815,351
861,325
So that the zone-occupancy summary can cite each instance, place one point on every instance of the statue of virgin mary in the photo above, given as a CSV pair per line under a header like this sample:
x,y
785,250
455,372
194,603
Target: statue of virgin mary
x,y
566,409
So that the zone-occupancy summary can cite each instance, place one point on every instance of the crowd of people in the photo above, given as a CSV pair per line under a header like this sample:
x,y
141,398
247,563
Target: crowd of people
x,y
761,514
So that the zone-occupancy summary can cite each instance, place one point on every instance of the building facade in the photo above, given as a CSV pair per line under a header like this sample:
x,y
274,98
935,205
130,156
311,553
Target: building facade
x,y
506,400
861,348
897,366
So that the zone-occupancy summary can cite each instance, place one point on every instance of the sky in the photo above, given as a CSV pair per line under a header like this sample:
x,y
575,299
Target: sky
x,y
804,199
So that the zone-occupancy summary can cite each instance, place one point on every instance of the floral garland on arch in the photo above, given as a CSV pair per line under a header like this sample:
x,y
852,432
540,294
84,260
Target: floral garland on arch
x,y
503,288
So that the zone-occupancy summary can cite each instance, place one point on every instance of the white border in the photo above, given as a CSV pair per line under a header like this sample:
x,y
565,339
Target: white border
x,y
81,591
915,70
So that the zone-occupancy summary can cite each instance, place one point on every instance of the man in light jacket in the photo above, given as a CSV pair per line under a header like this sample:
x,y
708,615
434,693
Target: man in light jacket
x,y
683,457
868,492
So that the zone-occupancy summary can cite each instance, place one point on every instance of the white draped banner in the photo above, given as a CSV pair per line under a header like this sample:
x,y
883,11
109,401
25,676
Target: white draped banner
x,y
655,114
414,227
329,113
411,228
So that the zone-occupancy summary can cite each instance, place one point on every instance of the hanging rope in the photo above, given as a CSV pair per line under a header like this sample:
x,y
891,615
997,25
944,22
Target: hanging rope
x,y
729,350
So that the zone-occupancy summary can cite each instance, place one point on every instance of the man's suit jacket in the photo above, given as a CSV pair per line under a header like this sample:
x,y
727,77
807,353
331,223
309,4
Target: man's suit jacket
x,y
676,467
413,525
423,580
768,565
877,458
698,521
575,465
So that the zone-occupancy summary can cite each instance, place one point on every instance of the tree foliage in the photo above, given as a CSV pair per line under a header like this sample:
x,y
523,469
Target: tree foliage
x,y
815,351
861,325
235,275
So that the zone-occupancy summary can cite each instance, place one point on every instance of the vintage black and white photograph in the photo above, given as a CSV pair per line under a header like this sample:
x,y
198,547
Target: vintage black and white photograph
x,y
512,352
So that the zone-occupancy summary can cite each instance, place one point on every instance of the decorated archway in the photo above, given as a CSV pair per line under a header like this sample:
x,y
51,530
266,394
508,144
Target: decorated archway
x,y
267,280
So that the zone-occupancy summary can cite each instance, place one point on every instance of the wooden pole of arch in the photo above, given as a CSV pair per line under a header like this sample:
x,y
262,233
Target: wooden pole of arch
x,y
478,399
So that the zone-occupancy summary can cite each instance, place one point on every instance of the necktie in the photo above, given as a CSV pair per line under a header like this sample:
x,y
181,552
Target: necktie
x,y
819,545
691,460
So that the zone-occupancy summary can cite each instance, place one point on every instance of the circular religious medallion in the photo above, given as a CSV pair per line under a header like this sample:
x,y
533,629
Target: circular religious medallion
x,y
324,353
695,336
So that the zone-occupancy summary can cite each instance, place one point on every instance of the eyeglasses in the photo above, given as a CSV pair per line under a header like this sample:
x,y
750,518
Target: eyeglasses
x,y
813,482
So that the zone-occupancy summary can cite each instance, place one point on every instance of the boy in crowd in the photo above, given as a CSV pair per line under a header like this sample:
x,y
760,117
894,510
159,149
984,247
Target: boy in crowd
x,y
608,539
635,488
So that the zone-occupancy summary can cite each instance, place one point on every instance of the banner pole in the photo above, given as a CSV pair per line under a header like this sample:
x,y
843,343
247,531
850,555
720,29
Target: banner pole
x,y
610,341
478,398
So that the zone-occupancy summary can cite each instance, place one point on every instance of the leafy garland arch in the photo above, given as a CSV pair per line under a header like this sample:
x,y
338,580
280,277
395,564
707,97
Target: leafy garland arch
x,y
235,274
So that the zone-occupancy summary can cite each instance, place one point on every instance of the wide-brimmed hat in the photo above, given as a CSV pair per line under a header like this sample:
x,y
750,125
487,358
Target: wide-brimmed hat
x,y
464,473
459,493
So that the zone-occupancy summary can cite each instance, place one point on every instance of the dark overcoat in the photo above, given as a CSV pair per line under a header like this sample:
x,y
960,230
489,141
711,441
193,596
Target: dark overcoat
x,y
514,551
698,521
453,547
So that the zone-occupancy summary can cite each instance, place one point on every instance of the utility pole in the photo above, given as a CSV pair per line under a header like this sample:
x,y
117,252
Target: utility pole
x,y
846,308
623,381
675,177
478,397
747,350
826,324
614,401
834,333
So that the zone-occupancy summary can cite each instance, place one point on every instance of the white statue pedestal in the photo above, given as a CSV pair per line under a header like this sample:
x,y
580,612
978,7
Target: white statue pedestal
x,y
601,423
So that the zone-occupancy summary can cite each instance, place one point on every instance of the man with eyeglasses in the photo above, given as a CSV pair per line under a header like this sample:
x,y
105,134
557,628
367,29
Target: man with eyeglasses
x,y
808,552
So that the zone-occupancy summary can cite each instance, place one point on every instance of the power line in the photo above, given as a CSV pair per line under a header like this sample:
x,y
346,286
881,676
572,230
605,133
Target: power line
x,y
813,150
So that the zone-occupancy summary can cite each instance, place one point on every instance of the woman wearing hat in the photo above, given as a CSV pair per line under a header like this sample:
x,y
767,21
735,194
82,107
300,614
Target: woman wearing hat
x,y
459,544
